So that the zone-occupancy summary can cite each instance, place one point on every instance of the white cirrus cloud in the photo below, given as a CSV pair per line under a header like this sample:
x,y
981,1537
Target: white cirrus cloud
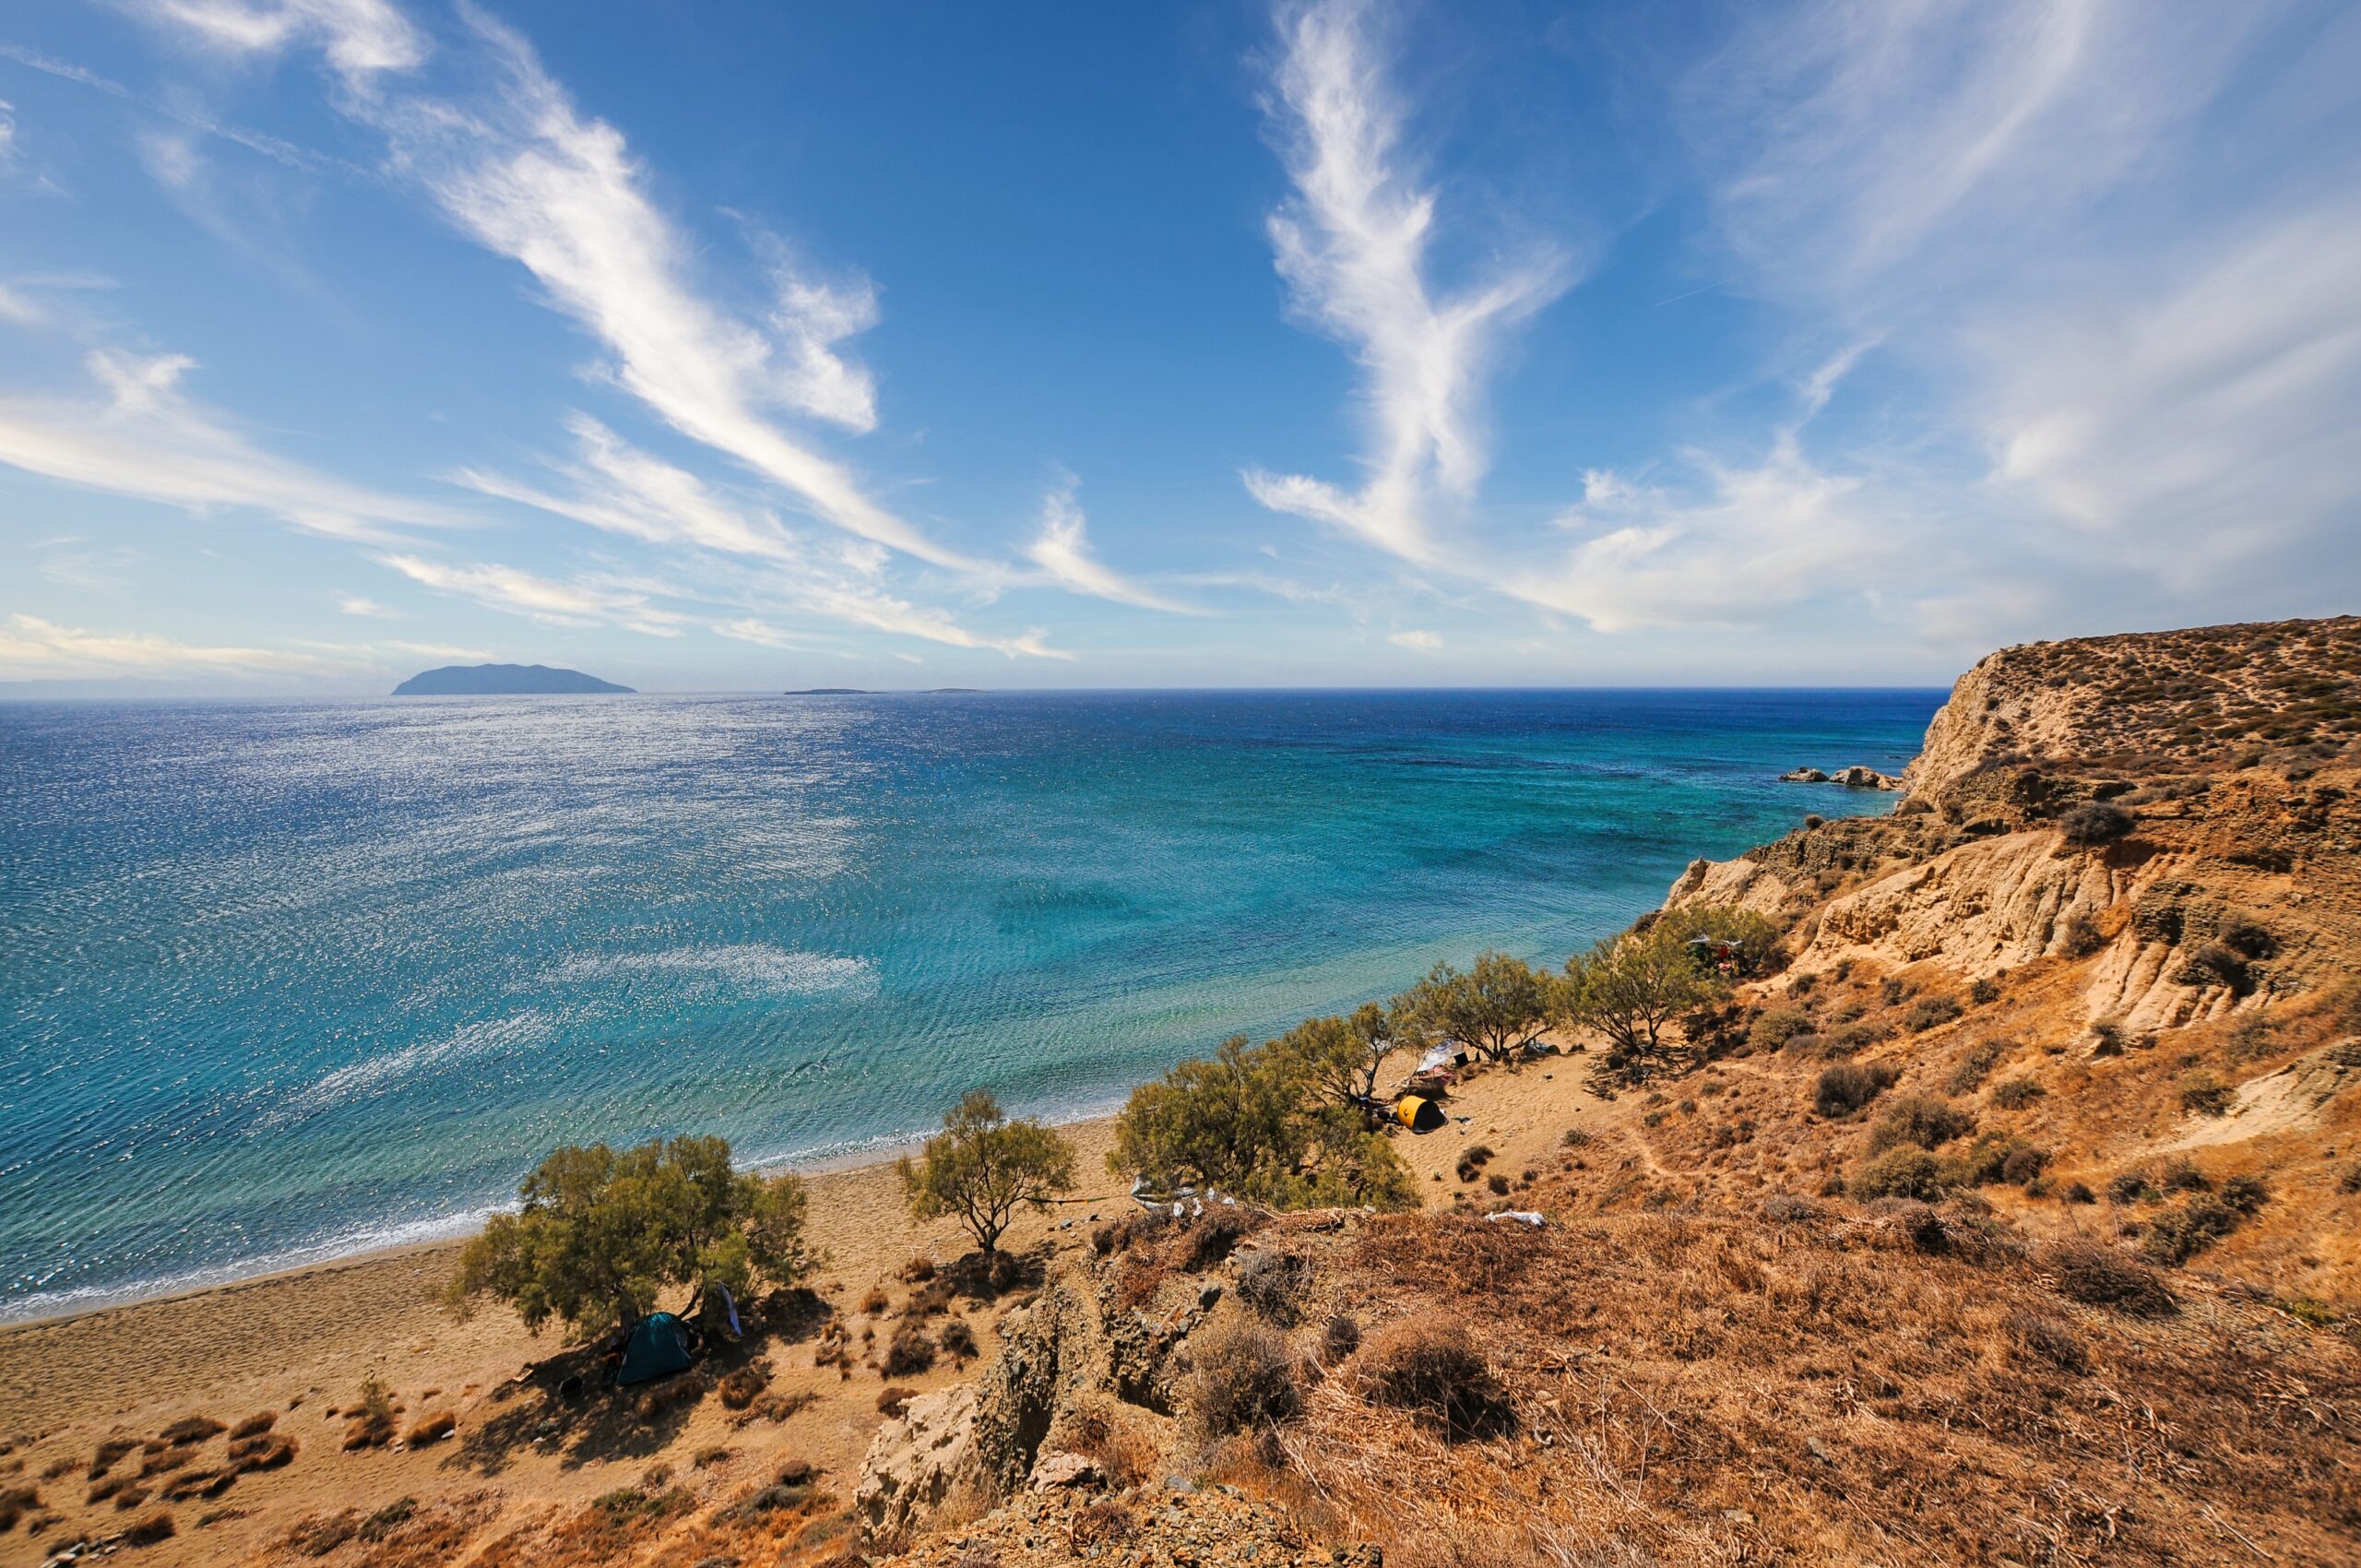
x,y
530,179
1063,550
579,601
1417,641
145,437
616,487
361,38
358,604
30,646
1353,243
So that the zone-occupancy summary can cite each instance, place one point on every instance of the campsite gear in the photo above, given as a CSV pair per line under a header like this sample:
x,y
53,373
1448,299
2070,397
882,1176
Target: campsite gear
x,y
729,1310
658,1346
1418,1113
1522,1217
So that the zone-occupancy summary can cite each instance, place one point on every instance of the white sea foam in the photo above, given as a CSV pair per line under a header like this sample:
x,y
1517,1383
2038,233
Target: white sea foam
x,y
755,966
376,1075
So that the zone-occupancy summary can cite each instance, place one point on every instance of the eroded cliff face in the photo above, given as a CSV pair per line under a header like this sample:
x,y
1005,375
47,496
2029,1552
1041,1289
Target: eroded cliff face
x,y
2229,752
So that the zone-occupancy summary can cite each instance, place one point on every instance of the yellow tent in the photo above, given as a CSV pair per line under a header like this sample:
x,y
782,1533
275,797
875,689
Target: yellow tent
x,y
1418,1113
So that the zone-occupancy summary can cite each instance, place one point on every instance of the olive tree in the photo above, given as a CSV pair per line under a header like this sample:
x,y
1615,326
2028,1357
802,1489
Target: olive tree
x,y
983,1167
1258,1122
1632,988
1342,1058
1500,1006
599,1235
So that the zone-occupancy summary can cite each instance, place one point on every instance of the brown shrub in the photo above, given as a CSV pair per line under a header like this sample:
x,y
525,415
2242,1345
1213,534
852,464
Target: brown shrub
x,y
167,1459
1098,1429
1430,1369
911,1352
1473,1160
2100,1276
269,1451
1341,1338
1905,1172
894,1398
958,1340
1243,1380
713,1454
1268,1283
368,1431
2203,1092
918,1270
777,1406
109,1451
191,1484
191,1429
2049,1339
156,1526
1920,1121
433,1429
1103,1524
685,1389
255,1425
1847,1087
2017,1093
741,1387
15,1502
875,1301
2094,823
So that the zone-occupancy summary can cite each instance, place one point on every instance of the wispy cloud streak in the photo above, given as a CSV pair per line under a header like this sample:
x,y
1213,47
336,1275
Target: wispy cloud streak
x,y
1353,245
1063,552
145,437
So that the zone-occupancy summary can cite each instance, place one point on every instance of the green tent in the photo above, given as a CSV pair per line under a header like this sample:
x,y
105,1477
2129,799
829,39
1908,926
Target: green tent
x,y
659,1347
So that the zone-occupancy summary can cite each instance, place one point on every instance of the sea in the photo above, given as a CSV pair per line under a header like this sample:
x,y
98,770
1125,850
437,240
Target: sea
x,y
282,981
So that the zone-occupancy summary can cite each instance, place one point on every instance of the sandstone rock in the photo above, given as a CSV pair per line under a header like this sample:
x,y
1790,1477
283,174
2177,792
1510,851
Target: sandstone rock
x,y
1063,1469
1804,775
918,1463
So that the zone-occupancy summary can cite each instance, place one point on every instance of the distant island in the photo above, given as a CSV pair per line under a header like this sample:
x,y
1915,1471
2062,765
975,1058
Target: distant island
x,y
502,680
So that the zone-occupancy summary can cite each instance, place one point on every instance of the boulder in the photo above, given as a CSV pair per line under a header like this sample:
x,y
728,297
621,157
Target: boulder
x,y
1804,775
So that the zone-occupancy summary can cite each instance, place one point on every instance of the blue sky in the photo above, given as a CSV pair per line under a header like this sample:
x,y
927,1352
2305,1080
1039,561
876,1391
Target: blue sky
x,y
734,346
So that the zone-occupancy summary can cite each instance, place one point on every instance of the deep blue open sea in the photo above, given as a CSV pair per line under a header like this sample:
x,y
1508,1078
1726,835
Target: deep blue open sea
x,y
279,982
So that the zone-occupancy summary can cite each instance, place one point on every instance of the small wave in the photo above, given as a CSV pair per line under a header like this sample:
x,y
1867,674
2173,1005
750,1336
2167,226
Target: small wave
x,y
749,966
378,1074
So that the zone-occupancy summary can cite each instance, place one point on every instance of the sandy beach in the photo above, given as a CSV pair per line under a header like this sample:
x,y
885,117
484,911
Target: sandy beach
x,y
299,1343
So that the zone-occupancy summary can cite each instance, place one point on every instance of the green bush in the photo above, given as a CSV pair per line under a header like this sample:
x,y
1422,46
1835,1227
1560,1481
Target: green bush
x,y
1774,1026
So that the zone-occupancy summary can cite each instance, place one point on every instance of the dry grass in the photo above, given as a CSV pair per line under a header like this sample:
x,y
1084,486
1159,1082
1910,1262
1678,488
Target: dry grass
x,y
1850,1395
433,1429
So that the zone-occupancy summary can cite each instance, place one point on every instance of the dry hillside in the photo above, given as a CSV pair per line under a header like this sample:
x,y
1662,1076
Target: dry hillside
x,y
2010,1217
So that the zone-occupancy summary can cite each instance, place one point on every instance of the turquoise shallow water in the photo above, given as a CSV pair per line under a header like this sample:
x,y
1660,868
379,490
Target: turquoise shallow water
x,y
283,981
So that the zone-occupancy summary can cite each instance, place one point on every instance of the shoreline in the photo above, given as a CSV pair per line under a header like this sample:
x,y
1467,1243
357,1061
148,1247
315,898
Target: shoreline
x,y
868,1162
